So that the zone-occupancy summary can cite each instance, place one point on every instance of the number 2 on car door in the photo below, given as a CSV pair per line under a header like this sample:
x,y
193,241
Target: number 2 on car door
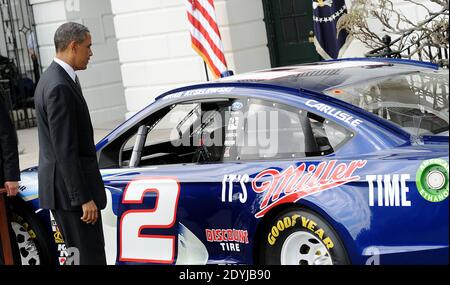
x,y
137,247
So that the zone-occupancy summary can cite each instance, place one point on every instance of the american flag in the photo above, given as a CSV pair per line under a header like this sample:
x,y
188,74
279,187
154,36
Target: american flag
x,y
205,35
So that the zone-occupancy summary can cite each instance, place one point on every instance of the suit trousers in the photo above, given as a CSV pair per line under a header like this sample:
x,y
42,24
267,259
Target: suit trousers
x,y
87,238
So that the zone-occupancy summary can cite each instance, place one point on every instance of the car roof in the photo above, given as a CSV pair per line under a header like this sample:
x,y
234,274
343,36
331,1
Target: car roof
x,y
323,75
316,77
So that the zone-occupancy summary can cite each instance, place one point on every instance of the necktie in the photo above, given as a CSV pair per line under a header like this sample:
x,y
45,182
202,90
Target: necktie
x,y
77,81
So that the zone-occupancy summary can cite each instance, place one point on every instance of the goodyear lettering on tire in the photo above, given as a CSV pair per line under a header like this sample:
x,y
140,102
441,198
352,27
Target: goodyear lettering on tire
x,y
289,222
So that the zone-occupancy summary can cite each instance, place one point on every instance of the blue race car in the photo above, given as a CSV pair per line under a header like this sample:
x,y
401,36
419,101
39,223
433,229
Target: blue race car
x,y
336,162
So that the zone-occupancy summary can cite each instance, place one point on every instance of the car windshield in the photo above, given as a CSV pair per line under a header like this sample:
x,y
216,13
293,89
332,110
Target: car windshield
x,y
417,101
179,118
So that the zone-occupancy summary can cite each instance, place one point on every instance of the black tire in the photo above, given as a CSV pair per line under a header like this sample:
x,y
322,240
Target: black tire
x,y
31,241
300,237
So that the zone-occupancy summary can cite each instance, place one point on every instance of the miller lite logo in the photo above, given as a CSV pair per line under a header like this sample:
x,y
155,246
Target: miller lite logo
x,y
296,183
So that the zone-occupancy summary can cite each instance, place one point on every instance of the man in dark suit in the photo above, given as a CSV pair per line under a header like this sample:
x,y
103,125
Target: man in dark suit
x,y
70,183
9,155
9,177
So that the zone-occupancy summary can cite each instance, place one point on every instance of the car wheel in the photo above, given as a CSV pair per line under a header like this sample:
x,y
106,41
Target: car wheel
x,y
300,237
32,240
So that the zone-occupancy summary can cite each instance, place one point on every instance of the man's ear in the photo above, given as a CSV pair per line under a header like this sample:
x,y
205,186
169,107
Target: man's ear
x,y
72,46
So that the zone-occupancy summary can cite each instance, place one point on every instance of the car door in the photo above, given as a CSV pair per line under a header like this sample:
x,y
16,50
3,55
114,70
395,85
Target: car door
x,y
163,187
264,146
191,199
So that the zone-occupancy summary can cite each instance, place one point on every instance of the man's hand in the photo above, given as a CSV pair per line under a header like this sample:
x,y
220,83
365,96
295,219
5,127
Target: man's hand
x,y
90,212
12,188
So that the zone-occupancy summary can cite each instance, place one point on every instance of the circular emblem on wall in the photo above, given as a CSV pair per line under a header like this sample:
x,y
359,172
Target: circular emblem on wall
x,y
432,180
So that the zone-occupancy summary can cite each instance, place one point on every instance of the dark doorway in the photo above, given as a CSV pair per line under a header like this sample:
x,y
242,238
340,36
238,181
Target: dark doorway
x,y
290,31
19,60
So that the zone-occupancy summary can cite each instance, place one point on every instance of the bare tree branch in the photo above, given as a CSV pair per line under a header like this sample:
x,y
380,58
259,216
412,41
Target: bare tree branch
x,y
421,39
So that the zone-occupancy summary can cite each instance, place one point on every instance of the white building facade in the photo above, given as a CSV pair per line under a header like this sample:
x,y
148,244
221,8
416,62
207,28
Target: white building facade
x,y
143,48
102,81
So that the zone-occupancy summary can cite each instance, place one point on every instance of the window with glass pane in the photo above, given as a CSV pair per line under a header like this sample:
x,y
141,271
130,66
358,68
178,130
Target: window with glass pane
x,y
278,131
417,101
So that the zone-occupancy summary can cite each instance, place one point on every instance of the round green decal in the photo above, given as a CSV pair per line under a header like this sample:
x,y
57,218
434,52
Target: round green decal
x,y
432,180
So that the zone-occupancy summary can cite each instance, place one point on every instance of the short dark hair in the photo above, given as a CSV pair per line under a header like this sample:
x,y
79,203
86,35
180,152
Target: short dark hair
x,y
68,32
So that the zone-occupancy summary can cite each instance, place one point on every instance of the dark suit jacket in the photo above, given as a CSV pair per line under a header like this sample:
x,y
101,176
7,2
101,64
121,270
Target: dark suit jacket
x,y
9,155
68,169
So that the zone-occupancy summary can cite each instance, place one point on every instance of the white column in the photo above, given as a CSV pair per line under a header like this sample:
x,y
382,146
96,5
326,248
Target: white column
x,y
244,34
48,16
155,47
102,81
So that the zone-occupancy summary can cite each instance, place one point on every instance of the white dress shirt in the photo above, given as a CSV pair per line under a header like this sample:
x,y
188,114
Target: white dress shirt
x,y
67,68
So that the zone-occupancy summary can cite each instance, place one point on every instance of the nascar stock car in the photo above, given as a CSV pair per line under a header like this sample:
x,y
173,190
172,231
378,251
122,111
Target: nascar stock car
x,y
335,162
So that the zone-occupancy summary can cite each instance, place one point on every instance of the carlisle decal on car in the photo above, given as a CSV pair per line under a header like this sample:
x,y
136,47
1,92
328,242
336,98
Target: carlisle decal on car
x,y
338,114
328,163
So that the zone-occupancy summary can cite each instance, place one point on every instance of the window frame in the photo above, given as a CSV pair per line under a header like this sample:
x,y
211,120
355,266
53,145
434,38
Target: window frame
x,y
294,109
114,148
131,132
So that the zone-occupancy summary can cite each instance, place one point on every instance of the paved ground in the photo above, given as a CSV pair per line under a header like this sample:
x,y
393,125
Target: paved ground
x,y
29,144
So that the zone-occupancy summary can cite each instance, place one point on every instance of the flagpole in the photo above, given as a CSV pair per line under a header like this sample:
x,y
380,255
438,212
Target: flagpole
x,y
206,70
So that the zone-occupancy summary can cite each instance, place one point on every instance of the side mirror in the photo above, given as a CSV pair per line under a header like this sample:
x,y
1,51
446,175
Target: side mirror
x,y
139,146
